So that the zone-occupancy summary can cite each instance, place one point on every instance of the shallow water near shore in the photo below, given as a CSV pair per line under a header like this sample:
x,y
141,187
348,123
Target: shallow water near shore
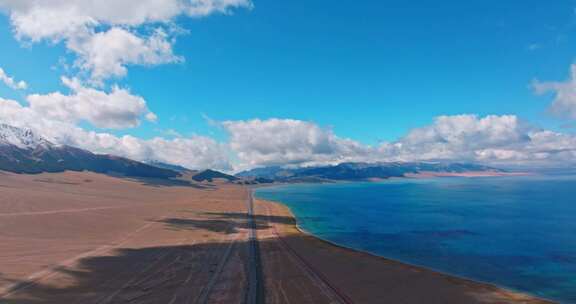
x,y
516,232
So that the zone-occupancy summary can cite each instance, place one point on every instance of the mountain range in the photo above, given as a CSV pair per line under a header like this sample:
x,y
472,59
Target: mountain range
x,y
23,151
360,171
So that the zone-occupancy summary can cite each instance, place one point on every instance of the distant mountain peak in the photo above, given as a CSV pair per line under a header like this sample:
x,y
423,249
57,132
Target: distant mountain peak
x,y
23,151
22,138
361,171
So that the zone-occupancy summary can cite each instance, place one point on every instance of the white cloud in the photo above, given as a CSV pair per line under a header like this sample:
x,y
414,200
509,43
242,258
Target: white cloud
x,y
37,21
195,152
116,12
107,54
59,19
287,141
492,139
459,137
206,7
106,35
10,82
498,140
564,104
115,109
192,152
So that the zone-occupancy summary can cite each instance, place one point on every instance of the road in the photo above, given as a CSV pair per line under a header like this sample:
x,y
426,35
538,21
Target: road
x,y
319,289
255,289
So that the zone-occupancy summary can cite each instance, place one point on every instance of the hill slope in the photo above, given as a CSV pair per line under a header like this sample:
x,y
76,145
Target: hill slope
x,y
210,175
360,171
23,151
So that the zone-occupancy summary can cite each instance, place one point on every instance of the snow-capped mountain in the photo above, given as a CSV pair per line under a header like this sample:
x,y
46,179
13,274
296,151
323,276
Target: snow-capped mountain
x,y
23,151
21,137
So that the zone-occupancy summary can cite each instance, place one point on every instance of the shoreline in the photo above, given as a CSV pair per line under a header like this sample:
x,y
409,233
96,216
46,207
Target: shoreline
x,y
375,256
470,174
423,175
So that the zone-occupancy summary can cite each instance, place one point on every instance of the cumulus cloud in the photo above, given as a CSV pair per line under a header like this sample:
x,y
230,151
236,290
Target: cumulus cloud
x,y
115,109
52,18
564,104
496,140
459,137
287,141
195,152
10,82
106,35
106,54
492,139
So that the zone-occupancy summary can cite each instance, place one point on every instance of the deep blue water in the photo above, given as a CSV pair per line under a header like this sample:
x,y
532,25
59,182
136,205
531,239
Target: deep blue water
x,y
516,232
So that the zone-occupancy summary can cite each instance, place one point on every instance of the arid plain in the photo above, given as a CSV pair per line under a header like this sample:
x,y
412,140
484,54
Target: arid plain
x,y
89,238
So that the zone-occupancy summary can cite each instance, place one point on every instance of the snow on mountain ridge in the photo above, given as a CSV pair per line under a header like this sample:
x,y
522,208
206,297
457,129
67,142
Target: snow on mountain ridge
x,y
23,138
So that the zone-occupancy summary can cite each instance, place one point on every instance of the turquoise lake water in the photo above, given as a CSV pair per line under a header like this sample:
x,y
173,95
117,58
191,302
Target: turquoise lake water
x,y
516,232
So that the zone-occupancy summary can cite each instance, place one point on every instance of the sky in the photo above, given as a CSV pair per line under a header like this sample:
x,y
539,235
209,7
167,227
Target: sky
x,y
237,84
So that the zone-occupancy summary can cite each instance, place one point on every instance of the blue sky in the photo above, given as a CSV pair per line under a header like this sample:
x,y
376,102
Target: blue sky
x,y
370,71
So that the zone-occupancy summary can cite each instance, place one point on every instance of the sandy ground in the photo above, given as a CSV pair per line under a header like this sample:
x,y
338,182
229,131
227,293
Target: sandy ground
x,y
89,238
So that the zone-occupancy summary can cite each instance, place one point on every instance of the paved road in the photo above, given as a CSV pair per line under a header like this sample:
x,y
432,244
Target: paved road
x,y
255,291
